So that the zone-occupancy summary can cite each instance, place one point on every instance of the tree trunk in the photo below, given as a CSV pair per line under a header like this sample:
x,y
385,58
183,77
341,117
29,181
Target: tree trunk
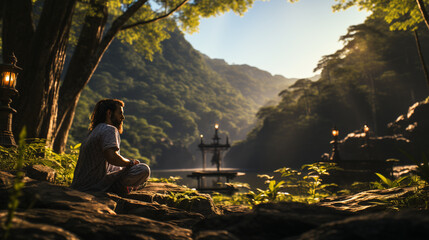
x,y
79,71
422,60
37,104
17,31
89,51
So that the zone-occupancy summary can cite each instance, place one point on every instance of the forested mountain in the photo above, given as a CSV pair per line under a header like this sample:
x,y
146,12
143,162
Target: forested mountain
x,y
375,77
258,86
173,99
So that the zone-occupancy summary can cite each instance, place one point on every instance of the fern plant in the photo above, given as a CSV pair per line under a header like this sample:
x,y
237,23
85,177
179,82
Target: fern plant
x,y
36,152
405,181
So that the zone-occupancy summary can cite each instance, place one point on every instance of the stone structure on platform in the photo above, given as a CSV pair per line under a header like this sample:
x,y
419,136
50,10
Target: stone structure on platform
x,y
363,154
216,149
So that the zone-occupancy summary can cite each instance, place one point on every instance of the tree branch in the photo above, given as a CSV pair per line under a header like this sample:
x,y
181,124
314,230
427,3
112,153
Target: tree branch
x,y
423,11
157,18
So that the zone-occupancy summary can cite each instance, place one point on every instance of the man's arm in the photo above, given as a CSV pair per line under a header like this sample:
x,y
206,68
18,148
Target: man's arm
x,y
114,158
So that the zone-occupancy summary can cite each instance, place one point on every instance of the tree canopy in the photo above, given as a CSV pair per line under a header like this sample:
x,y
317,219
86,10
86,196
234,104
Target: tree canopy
x,y
41,34
400,14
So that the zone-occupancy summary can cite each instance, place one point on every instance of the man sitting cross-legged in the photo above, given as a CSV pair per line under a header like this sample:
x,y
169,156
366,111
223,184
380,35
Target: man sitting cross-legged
x,y
100,167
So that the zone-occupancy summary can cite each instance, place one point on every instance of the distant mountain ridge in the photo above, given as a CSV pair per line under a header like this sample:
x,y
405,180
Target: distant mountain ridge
x,y
257,85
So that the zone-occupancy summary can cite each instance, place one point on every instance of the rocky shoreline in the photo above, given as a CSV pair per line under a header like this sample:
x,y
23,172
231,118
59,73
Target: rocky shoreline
x,y
49,211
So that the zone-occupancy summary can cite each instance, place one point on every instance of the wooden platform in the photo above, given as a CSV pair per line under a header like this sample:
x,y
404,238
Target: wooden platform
x,y
228,175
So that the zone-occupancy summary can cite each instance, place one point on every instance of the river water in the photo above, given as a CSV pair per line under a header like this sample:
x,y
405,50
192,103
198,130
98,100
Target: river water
x,y
250,177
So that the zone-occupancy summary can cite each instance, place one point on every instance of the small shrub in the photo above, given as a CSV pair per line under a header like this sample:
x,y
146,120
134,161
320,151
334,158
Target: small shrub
x,y
35,152
405,181
184,200
171,179
309,184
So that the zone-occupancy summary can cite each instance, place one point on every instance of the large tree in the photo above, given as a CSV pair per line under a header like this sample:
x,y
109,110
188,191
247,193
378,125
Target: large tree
x,y
400,14
42,33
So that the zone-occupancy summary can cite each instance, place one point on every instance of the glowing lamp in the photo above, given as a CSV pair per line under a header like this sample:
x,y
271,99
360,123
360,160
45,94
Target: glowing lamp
x,y
8,74
216,126
365,129
8,79
335,155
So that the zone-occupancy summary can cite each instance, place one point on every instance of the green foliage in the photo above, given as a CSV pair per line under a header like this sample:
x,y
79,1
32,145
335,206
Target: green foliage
x,y
171,179
146,38
423,169
418,200
18,184
36,152
404,181
184,200
235,199
300,187
320,168
309,183
422,166
400,14
310,189
257,86
271,194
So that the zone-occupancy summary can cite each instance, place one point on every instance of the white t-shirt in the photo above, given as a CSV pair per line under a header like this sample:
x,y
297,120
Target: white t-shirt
x,y
93,172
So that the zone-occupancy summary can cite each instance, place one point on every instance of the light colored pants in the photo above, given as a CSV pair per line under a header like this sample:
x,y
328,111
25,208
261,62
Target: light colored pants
x,y
136,175
128,177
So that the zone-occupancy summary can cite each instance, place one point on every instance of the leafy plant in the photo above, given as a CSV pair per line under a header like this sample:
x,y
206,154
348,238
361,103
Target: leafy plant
x,y
310,183
35,152
419,199
313,178
238,185
171,179
235,199
386,183
321,168
404,181
183,200
16,190
271,194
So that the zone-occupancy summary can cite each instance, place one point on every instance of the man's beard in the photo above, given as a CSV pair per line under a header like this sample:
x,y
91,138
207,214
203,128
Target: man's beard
x,y
118,124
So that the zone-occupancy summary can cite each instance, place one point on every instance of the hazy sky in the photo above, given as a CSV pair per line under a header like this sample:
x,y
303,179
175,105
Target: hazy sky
x,y
277,36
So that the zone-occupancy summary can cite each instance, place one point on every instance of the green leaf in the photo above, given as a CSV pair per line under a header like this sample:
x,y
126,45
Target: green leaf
x,y
385,180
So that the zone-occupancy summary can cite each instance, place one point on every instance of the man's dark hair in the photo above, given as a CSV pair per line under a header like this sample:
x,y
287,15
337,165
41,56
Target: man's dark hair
x,y
99,114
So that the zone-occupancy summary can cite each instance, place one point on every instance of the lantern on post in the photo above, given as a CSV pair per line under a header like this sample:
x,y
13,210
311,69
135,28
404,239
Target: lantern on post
x,y
8,75
335,155
366,130
367,145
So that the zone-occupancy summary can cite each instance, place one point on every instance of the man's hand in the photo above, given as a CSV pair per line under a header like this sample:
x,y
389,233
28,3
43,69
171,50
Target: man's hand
x,y
133,162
